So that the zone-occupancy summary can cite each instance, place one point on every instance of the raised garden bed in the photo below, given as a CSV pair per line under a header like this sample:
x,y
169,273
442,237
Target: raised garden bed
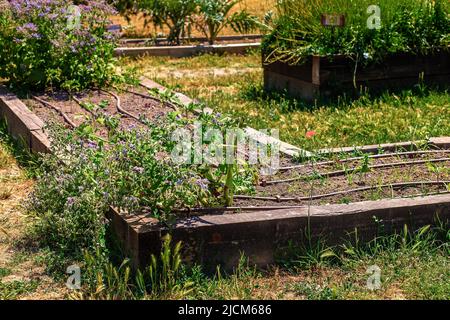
x,y
325,76
249,38
187,50
407,184
401,187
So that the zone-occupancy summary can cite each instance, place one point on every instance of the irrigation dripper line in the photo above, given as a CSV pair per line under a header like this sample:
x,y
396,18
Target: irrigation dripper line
x,y
273,208
326,195
352,170
148,96
374,156
119,107
58,110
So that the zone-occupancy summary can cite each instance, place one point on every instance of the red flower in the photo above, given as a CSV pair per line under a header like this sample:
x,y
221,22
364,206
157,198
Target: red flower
x,y
310,134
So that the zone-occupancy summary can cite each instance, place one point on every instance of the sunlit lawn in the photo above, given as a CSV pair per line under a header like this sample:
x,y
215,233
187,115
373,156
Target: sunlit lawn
x,y
233,84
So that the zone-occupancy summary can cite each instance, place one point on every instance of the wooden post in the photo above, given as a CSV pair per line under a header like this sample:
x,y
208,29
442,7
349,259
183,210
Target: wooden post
x,y
316,70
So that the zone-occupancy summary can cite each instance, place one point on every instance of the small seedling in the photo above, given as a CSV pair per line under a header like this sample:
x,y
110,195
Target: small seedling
x,y
229,187
103,104
364,168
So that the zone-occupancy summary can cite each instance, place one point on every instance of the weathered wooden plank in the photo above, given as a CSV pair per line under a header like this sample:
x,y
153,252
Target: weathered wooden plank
x,y
22,123
186,51
213,240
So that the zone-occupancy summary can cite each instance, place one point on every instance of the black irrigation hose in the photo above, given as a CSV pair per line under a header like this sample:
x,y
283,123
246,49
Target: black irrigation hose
x,y
222,209
66,118
270,208
119,107
375,156
351,170
148,96
320,196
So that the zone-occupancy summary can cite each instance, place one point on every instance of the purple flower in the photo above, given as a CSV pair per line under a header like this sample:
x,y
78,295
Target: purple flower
x,y
138,170
27,28
202,183
70,201
92,145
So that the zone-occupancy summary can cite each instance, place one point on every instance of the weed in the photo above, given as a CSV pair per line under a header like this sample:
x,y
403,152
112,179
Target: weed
x,y
12,290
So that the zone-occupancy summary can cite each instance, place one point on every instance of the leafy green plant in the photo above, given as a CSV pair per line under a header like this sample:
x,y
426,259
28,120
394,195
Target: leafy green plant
x,y
76,184
12,290
364,167
418,26
173,14
214,15
228,188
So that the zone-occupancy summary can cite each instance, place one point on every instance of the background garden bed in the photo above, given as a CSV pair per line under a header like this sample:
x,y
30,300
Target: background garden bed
x,y
186,50
333,75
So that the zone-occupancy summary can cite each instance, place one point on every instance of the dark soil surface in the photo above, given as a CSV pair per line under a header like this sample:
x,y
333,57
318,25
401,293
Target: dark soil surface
x,y
139,105
296,183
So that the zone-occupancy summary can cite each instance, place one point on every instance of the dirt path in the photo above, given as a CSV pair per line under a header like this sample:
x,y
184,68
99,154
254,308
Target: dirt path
x,y
21,274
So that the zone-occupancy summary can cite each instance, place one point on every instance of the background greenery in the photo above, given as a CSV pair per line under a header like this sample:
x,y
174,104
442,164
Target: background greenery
x,y
417,26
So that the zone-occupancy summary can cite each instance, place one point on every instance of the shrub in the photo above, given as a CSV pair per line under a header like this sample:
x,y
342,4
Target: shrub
x,y
418,26
214,15
173,14
83,176
41,44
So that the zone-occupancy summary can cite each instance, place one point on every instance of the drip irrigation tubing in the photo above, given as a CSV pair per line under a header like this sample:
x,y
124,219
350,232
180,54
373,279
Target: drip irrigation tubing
x,y
326,195
58,110
376,156
352,170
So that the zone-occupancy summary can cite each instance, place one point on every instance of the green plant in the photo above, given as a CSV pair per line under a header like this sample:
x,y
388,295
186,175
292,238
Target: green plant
x,y
163,273
228,188
341,122
173,14
364,167
214,15
41,44
12,290
418,26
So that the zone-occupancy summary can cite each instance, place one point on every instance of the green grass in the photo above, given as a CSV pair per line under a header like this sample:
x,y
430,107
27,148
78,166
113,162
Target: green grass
x,y
413,265
233,84
12,290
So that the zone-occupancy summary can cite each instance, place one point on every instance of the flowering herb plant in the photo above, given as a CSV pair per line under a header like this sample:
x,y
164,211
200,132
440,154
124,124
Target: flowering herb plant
x,y
54,43
132,170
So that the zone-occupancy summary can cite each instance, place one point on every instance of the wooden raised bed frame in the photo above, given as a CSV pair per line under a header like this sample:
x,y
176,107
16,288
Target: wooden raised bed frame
x,y
220,239
325,76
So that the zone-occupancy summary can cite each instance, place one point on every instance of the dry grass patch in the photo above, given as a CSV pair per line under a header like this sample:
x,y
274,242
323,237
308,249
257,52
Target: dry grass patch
x,y
21,276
